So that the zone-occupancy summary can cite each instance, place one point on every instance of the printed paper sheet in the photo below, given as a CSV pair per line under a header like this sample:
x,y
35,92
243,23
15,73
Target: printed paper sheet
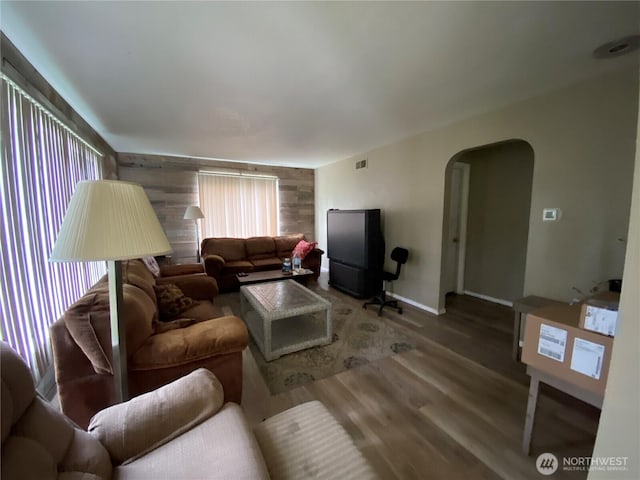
x,y
587,358
552,342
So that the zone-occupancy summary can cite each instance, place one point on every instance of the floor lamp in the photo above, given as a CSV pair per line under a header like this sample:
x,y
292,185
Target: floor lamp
x,y
113,221
194,213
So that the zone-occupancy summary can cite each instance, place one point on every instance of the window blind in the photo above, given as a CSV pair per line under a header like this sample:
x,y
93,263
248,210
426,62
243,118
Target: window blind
x,y
42,160
238,206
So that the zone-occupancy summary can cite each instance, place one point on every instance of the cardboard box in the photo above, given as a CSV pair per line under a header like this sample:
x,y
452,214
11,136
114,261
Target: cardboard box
x,y
600,313
555,344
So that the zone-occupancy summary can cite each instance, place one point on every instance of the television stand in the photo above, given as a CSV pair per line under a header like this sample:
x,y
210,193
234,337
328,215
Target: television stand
x,y
357,282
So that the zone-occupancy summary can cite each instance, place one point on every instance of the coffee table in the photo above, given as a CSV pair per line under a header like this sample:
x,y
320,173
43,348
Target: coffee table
x,y
285,317
300,275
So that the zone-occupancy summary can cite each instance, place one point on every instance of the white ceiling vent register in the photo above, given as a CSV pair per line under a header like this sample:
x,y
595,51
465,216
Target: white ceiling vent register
x,y
361,164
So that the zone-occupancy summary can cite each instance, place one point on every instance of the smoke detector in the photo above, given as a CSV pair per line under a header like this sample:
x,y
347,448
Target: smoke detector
x,y
619,47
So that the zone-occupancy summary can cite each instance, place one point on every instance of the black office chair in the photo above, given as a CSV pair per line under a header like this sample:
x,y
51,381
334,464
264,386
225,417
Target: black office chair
x,y
399,255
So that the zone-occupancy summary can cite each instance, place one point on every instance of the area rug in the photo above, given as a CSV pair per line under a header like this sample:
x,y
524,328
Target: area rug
x,y
359,337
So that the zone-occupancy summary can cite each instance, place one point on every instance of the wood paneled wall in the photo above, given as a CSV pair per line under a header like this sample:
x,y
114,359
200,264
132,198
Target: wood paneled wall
x,y
172,185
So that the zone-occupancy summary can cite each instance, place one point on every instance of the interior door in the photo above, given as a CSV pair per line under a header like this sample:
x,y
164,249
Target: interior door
x,y
454,255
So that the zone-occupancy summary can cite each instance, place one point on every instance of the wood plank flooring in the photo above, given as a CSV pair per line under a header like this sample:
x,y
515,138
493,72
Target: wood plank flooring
x,y
452,408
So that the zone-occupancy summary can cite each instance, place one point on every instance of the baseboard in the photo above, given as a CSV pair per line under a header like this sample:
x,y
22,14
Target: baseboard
x,y
415,304
489,299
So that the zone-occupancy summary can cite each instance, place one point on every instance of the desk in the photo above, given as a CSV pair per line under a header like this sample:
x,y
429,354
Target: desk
x,y
538,376
521,307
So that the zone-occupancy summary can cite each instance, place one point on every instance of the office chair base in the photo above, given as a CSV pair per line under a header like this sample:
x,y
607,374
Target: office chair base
x,y
383,302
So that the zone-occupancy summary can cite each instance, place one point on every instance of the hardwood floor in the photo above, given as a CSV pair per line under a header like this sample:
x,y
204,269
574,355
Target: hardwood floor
x,y
452,408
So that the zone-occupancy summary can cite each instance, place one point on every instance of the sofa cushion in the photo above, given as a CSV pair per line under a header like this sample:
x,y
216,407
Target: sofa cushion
x,y
172,302
286,243
26,458
228,248
307,438
205,339
220,447
204,310
44,425
17,388
136,273
198,286
267,264
132,429
303,248
138,312
41,442
259,248
238,266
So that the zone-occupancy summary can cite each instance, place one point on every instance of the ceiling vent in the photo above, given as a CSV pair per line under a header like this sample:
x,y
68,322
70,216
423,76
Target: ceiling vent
x,y
618,47
361,164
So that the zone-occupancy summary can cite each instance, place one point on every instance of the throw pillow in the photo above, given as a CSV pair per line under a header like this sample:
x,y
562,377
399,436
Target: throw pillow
x,y
303,248
172,301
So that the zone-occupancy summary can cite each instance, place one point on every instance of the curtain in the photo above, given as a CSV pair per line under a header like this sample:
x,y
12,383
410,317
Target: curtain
x,y
42,160
238,206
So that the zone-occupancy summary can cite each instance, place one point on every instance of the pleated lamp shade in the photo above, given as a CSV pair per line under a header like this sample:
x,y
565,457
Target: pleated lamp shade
x,y
109,220
193,213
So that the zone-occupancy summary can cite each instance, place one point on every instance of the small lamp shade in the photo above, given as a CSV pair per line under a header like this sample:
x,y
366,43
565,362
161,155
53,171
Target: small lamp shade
x,y
193,213
109,220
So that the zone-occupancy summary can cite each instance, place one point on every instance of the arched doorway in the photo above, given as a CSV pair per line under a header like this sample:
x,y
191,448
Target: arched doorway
x,y
486,221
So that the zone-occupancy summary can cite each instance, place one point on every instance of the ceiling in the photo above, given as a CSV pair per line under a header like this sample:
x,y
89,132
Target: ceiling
x,y
304,83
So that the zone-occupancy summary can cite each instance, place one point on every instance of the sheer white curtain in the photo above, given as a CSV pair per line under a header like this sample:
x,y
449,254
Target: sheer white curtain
x,y
238,206
42,160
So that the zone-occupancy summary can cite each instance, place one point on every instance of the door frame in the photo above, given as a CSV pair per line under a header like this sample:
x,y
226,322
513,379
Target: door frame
x,y
465,171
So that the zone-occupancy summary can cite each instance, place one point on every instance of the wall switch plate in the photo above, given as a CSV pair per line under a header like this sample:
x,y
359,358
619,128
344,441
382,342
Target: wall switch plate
x,y
551,214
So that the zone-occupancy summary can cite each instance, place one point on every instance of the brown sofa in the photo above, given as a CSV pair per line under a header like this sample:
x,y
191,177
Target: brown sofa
x,y
158,352
224,258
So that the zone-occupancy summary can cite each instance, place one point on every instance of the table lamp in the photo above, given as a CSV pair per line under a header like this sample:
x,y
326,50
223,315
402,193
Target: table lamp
x,y
194,213
113,221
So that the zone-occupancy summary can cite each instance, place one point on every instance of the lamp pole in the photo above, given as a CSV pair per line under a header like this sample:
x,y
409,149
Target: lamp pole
x,y
118,331
194,213
195,221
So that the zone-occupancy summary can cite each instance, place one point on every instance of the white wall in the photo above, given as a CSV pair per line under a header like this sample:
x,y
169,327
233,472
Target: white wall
x,y
583,140
619,429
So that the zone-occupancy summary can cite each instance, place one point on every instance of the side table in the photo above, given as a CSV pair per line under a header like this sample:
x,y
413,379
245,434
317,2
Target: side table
x,y
538,376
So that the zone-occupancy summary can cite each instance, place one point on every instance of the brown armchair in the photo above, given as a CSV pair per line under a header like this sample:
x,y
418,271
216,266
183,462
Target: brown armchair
x,y
158,352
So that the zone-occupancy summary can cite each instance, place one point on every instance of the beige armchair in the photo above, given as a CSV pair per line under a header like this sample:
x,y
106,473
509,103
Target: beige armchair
x,y
181,430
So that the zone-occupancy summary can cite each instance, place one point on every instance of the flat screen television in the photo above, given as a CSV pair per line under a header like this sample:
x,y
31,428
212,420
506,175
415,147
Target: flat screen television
x,y
354,238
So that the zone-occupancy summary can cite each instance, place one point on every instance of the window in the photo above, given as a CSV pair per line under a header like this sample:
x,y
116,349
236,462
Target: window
x,y
42,160
238,206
